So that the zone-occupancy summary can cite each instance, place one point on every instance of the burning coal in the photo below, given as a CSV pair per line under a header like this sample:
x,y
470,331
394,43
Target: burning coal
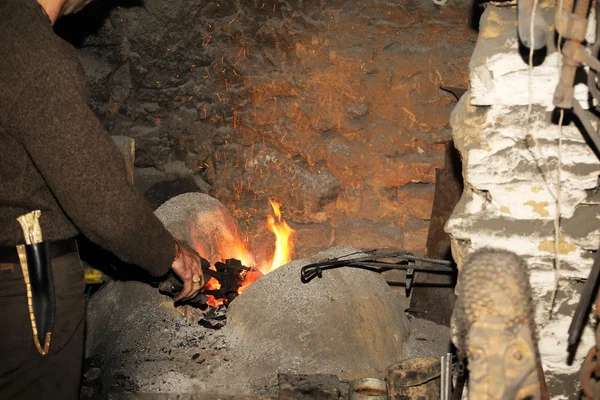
x,y
235,248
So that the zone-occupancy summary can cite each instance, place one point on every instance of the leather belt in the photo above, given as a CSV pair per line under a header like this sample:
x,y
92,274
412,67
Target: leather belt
x,y
58,248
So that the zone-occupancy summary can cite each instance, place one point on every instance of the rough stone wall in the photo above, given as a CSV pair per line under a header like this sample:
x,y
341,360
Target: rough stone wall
x,y
509,169
332,107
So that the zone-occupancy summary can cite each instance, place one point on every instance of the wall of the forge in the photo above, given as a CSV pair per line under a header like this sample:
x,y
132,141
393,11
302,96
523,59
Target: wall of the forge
x,y
333,109
510,174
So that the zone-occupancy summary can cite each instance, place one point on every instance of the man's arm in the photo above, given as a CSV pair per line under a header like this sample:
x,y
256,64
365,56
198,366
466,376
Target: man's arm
x,y
77,159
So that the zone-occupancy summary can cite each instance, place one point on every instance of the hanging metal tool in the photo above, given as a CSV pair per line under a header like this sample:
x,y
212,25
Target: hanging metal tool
x,y
571,22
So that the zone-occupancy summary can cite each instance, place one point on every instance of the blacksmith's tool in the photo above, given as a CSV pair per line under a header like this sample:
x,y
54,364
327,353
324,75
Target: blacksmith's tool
x,y
417,378
376,260
446,377
35,263
230,275
572,26
590,291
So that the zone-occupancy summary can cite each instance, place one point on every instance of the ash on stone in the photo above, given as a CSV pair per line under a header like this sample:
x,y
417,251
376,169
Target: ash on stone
x,y
308,387
214,318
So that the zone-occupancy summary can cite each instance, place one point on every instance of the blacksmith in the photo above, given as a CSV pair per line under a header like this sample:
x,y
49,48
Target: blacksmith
x,y
56,158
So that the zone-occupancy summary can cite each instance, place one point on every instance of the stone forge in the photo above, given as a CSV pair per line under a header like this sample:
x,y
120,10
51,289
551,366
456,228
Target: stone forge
x,y
349,323
510,174
332,107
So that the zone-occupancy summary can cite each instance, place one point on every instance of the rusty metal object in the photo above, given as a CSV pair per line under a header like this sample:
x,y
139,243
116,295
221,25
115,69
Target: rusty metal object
x,y
540,27
493,328
572,26
418,378
367,389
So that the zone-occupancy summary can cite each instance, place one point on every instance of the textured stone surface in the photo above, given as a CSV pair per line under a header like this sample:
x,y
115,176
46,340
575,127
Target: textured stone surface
x,y
334,108
142,345
497,67
206,224
280,323
509,200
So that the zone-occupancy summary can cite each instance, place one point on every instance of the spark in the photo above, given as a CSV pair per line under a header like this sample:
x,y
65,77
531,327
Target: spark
x,y
274,107
236,15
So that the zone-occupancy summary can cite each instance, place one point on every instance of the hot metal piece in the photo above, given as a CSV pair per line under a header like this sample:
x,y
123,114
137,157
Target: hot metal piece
x,y
230,277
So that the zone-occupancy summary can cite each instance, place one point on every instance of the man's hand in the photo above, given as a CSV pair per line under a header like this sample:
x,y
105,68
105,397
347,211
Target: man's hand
x,y
187,266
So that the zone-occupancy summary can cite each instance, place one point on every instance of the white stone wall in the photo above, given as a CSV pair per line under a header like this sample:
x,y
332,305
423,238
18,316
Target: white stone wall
x,y
509,168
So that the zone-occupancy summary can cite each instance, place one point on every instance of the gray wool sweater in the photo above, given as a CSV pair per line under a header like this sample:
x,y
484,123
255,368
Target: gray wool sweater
x,y
56,157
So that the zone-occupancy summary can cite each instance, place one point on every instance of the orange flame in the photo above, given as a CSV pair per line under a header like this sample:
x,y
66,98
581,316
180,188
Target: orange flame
x,y
283,243
230,245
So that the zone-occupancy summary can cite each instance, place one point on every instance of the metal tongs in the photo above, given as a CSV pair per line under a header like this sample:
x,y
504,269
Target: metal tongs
x,y
379,261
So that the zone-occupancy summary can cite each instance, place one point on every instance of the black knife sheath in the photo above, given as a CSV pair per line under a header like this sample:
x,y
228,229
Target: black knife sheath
x,y
42,288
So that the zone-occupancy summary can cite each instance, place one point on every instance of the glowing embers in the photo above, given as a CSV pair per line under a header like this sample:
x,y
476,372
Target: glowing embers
x,y
225,275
